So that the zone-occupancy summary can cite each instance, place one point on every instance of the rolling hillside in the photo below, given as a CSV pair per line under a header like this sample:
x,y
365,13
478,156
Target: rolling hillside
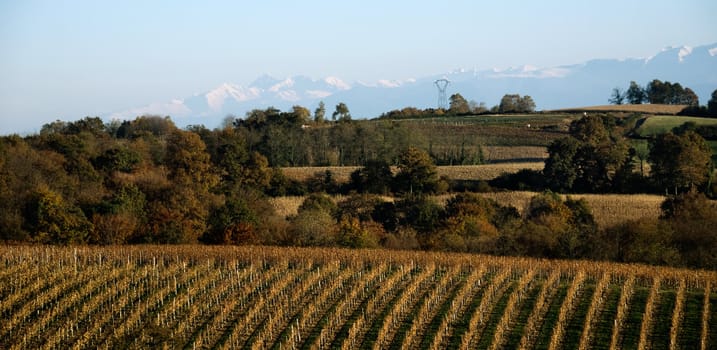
x,y
659,124
641,108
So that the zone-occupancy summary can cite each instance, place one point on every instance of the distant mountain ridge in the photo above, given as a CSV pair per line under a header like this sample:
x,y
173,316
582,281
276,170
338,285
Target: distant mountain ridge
x,y
583,84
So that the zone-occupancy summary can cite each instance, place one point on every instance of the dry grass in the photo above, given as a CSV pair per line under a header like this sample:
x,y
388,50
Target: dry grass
x,y
608,209
510,153
286,206
642,108
341,174
485,171
456,172
613,209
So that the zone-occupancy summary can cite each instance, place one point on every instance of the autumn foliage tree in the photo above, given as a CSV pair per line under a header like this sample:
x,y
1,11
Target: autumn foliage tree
x,y
51,219
458,105
556,228
680,162
475,224
514,103
181,217
416,172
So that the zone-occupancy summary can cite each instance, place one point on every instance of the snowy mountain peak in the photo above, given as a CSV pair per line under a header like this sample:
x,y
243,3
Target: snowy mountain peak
x,y
684,51
674,53
265,82
217,97
389,83
286,83
586,83
337,83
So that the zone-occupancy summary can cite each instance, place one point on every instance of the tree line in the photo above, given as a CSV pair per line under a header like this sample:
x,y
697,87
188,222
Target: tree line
x,y
147,181
659,92
458,105
292,138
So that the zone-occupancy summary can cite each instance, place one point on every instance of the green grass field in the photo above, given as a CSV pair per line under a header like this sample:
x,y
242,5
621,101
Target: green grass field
x,y
663,123
492,130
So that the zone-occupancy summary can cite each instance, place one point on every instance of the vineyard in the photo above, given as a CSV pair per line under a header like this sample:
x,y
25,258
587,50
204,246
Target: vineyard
x,y
202,297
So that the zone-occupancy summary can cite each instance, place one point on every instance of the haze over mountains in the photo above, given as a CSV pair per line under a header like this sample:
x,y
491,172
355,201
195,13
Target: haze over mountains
x,y
582,84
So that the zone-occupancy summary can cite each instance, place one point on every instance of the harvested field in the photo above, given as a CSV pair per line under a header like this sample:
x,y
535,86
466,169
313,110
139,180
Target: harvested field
x,y
608,209
641,108
485,171
514,154
455,172
342,174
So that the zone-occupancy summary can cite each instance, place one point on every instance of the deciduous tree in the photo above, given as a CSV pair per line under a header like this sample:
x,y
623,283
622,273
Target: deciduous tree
x,y
712,104
560,170
342,113
635,94
320,113
181,215
374,177
617,97
458,104
693,218
526,104
680,162
588,161
416,172
50,219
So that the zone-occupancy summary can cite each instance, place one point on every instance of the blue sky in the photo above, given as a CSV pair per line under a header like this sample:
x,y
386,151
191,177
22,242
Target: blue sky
x,y
69,59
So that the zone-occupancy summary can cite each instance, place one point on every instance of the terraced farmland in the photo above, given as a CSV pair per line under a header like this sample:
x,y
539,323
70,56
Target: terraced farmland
x,y
200,297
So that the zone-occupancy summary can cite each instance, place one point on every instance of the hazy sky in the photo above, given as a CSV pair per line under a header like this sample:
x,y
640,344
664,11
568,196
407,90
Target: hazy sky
x,y
69,59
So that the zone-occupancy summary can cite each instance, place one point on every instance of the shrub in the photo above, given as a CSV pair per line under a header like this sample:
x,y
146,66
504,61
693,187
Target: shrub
x,y
693,219
375,177
360,206
353,234
523,180
642,241
419,212
233,223
404,238
312,227
320,202
322,182
567,228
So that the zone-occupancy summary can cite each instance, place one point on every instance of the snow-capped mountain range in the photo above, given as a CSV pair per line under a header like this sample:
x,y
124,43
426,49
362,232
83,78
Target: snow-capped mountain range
x,y
583,84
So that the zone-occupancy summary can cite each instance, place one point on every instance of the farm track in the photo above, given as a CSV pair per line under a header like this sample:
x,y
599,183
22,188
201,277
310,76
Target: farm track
x,y
198,297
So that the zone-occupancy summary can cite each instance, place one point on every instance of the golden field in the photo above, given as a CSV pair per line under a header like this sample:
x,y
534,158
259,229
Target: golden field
x,y
255,297
342,174
641,108
608,209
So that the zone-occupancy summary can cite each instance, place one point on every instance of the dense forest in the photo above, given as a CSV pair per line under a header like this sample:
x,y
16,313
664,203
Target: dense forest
x,y
147,181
